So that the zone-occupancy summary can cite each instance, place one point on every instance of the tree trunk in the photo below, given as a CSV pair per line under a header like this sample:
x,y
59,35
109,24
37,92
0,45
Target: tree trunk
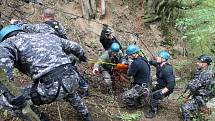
x,y
88,8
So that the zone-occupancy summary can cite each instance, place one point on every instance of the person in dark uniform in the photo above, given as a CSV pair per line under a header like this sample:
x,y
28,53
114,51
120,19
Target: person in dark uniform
x,y
165,81
139,69
107,39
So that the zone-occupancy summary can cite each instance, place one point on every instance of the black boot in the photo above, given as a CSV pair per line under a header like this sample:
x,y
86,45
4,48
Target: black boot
x,y
151,113
87,117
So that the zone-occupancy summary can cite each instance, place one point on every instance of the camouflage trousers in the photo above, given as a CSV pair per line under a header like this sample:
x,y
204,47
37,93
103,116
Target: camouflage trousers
x,y
191,106
58,85
133,96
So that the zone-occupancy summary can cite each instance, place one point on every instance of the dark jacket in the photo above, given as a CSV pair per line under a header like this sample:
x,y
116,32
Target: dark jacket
x,y
140,70
106,43
165,76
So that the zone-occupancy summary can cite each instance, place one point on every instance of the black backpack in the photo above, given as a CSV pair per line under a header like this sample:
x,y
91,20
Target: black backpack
x,y
56,26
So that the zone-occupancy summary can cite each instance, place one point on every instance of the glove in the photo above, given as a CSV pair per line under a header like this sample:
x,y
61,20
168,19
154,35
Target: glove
x,y
19,101
95,70
83,58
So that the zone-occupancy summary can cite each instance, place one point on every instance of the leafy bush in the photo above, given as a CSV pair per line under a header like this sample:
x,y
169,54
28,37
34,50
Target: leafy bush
x,y
198,25
130,117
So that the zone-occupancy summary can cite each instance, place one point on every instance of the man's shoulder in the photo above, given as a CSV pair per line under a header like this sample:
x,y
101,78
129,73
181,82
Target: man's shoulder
x,y
167,68
208,73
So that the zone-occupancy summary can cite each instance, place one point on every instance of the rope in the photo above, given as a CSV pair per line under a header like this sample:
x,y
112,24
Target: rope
x,y
100,62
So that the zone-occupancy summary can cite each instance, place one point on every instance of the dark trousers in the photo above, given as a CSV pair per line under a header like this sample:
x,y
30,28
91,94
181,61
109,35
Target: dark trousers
x,y
156,95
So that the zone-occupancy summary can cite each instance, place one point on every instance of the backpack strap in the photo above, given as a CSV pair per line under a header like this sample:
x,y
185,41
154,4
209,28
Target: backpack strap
x,y
56,26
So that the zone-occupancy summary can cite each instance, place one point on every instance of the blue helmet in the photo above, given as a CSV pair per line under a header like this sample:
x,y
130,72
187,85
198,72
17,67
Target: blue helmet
x,y
115,47
164,54
8,29
131,49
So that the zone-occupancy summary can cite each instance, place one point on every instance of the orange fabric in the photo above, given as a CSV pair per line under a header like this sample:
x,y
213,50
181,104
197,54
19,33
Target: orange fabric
x,y
122,66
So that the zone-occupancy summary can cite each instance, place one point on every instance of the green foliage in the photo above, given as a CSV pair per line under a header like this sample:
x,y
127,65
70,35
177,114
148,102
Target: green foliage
x,y
198,25
212,116
130,117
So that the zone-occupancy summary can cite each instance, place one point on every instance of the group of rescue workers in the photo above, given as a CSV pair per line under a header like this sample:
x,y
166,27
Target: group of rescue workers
x,y
44,53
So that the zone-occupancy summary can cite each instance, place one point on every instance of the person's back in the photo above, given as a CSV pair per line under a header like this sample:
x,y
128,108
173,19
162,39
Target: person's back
x,y
140,70
164,74
39,55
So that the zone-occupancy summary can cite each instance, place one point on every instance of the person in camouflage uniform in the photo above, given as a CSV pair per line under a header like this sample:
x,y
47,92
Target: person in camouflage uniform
x,y
199,88
48,16
43,57
140,70
114,55
6,103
